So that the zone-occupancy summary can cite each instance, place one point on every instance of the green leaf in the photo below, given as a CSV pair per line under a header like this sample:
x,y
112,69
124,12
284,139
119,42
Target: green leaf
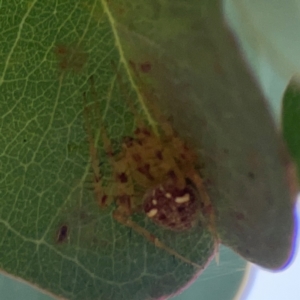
x,y
291,121
203,84
53,232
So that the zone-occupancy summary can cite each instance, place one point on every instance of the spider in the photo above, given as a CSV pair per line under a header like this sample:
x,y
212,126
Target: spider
x,y
153,173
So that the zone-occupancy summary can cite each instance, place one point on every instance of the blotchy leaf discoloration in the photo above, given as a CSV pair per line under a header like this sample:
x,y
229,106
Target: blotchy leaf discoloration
x,y
214,101
53,233
70,58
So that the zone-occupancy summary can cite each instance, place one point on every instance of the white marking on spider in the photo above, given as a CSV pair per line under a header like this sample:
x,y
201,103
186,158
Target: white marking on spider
x,y
154,201
152,212
183,199
168,195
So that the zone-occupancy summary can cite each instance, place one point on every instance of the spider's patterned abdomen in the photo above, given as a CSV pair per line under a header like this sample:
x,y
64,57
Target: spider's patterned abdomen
x,y
173,208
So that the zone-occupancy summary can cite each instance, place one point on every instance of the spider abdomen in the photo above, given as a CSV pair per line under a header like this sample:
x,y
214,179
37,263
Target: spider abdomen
x,y
173,208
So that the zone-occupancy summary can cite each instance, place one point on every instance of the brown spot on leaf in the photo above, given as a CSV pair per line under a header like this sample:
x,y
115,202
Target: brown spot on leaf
x,y
70,58
145,67
62,234
145,170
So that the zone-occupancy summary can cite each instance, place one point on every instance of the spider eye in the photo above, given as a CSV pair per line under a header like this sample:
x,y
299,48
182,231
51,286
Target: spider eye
x,y
175,209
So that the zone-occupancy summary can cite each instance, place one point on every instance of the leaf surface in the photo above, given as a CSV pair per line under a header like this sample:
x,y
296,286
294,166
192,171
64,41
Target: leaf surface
x,y
53,233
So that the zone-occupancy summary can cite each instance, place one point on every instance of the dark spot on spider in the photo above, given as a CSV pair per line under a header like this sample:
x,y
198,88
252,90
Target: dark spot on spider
x,y
128,141
62,234
180,209
172,175
207,182
137,131
145,67
184,219
122,177
162,217
146,132
124,199
159,155
24,140
103,199
183,156
251,175
137,157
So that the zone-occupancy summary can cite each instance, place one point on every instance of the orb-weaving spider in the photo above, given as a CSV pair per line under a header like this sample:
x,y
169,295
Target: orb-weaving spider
x,y
153,173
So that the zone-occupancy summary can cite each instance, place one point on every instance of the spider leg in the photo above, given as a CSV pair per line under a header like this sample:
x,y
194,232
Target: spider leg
x,y
99,192
208,209
125,220
120,183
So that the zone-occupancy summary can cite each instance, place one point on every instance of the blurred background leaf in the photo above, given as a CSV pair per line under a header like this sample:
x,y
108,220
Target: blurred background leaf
x,y
291,121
